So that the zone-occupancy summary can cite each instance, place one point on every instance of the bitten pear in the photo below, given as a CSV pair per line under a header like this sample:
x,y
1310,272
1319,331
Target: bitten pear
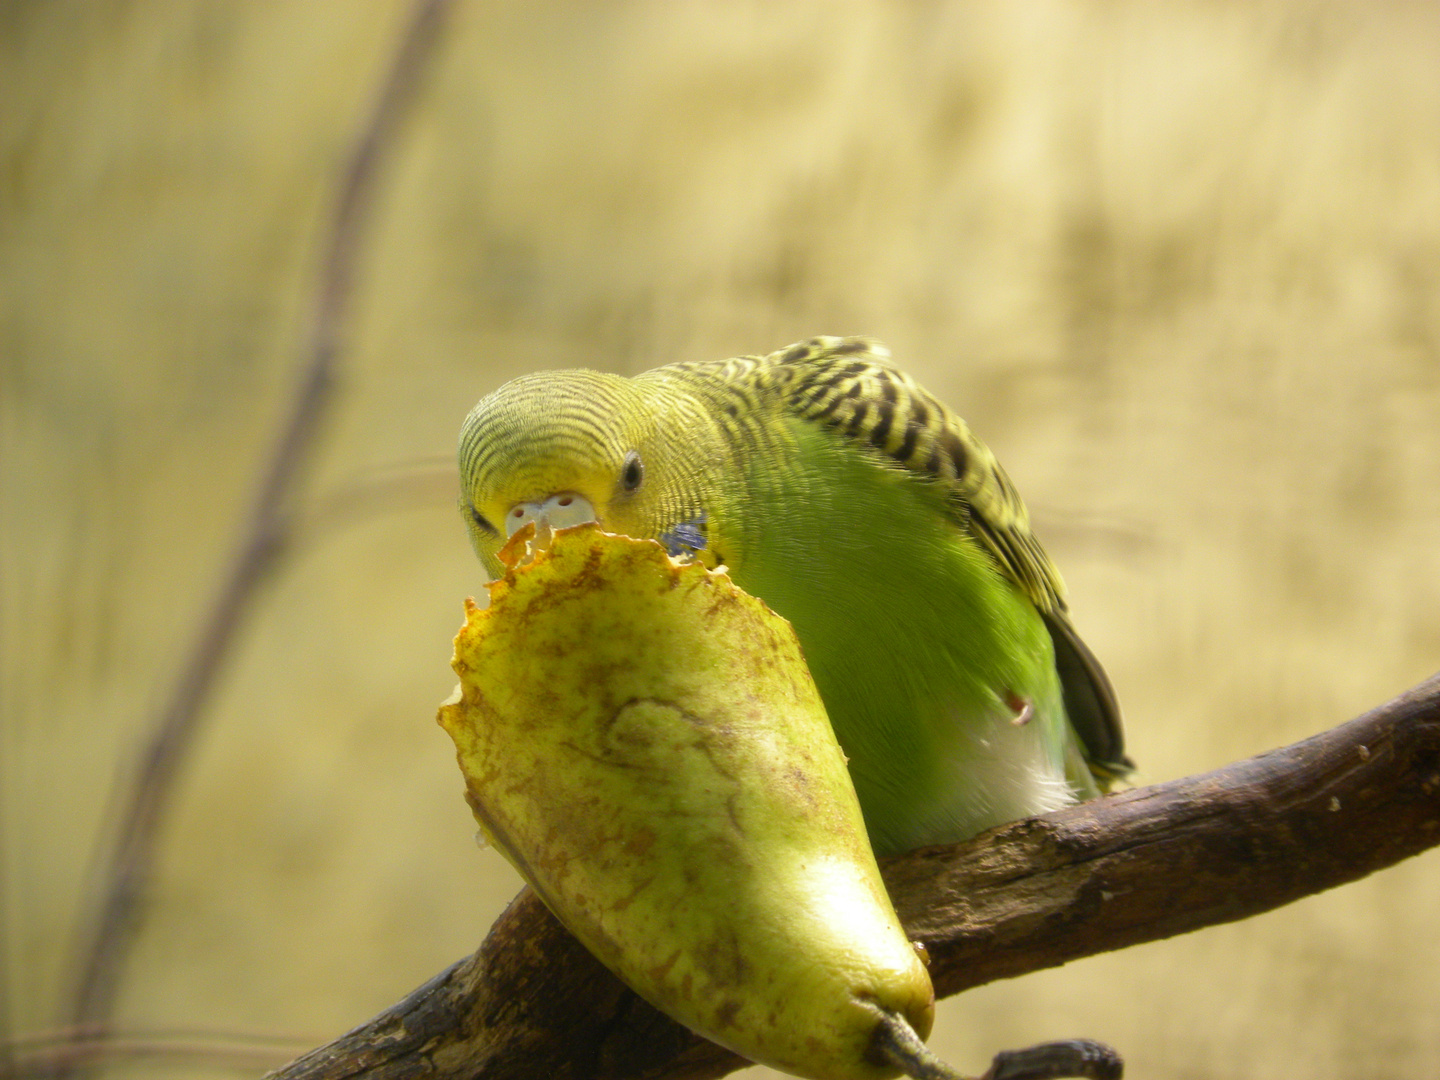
x,y
643,741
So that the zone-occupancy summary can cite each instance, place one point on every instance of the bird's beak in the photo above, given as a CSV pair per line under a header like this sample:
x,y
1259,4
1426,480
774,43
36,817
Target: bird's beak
x,y
558,512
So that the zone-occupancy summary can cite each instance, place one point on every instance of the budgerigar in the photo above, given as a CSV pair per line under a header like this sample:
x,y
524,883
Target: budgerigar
x,y
836,489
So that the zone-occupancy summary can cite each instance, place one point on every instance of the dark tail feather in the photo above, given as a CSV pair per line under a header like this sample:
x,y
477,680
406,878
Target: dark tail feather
x,y
1090,703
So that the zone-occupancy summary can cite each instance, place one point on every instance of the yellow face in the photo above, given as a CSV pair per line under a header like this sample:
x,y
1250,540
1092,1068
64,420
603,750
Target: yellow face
x,y
560,494
561,448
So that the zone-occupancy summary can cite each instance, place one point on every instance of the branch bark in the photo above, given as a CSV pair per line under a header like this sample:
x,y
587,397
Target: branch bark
x,y
1103,875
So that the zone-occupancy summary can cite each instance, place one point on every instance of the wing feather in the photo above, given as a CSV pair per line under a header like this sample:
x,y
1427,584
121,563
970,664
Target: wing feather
x,y
851,386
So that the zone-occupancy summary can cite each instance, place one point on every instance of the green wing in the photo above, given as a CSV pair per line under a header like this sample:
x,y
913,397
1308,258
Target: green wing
x,y
850,385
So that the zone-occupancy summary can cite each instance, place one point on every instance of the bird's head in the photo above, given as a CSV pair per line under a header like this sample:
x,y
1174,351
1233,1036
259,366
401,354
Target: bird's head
x,y
560,448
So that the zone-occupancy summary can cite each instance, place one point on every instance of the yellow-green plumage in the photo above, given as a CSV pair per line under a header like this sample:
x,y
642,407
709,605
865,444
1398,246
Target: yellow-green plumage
x,y
836,489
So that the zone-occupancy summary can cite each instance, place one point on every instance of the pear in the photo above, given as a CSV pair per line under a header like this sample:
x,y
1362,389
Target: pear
x,y
643,741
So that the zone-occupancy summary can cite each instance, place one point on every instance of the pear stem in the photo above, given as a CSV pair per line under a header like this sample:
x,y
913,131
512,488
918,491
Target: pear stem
x,y
896,1044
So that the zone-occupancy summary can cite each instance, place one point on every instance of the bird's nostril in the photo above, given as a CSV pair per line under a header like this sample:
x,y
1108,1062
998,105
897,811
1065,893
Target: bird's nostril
x,y
566,501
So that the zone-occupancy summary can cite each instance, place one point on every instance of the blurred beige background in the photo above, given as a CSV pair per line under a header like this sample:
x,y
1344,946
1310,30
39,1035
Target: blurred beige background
x,y
1179,264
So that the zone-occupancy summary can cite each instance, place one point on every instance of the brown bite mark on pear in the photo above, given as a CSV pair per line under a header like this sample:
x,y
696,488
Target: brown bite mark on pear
x,y
643,741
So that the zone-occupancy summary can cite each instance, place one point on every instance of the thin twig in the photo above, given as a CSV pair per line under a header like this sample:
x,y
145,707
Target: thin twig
x,y
47,1053
400,486
151,791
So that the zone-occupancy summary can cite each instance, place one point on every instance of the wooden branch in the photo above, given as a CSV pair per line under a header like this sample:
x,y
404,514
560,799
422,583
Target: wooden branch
x,y
1135,867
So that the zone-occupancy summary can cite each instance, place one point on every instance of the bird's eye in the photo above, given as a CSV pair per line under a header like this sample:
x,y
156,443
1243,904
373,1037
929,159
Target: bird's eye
x,y
632,472
481,522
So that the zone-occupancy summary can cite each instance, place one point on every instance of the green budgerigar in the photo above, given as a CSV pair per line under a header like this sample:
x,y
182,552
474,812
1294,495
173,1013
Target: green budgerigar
x,y
836,489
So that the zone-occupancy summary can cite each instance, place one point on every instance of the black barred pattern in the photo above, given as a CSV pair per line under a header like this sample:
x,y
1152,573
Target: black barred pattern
x,y
573,420
849,385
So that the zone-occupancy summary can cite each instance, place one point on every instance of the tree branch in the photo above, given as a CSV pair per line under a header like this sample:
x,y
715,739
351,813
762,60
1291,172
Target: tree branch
x,y
1103,875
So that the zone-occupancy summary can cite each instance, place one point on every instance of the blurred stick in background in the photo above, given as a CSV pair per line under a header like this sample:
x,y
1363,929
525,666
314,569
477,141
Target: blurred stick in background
x,y
131,861
48,1054
1106,874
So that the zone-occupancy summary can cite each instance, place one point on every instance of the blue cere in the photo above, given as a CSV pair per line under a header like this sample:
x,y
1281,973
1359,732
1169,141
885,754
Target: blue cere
x,y
685,536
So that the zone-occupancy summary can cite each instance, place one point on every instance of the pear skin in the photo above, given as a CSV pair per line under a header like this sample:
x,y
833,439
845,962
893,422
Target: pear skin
x,y
643,741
